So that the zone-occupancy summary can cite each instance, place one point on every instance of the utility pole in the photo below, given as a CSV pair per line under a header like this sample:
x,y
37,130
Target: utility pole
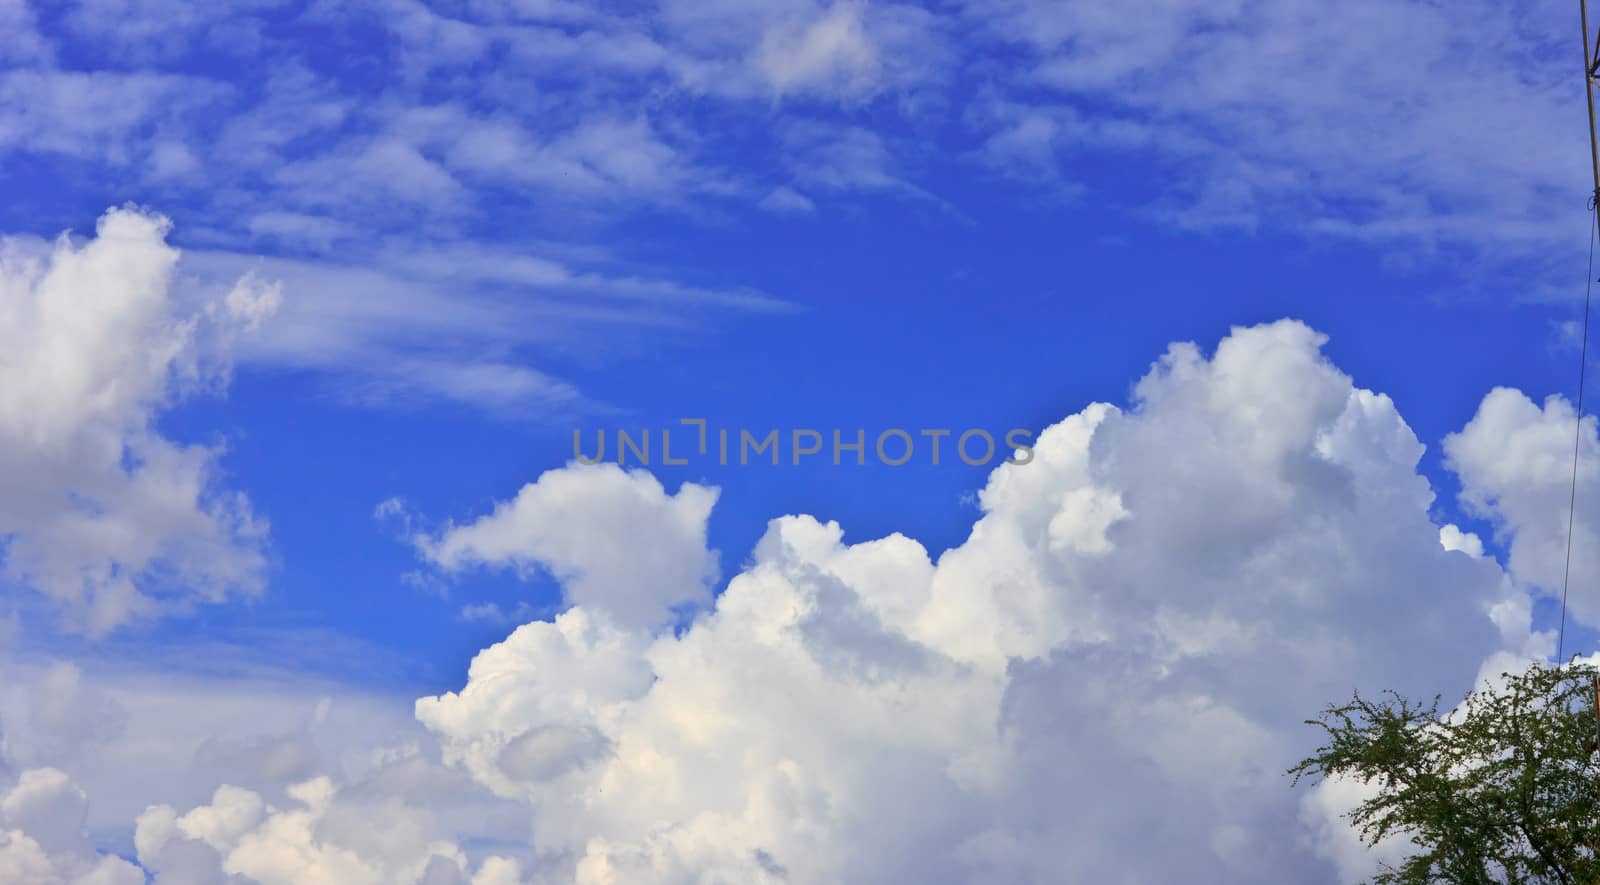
x,y
1590,64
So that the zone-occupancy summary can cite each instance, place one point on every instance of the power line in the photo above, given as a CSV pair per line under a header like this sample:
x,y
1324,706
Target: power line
x,y
1577,430
1591,63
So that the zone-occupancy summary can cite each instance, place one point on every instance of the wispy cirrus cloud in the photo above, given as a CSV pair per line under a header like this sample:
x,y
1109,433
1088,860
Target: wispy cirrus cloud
x,y
1413,128
1387,122
601,109
455,322
101,116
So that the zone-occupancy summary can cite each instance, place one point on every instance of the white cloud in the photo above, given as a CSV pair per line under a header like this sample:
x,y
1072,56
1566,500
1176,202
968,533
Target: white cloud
x,y
840,53
1120,654
849,159
317,838
107,517
424,323
492,613
294,104
23,42
381,173
1515,460
170,740
55,718
317,231
1453,538
1325,811
788,201
1233,103
141,30
102,115
830,54
608,112
1129,639
42,839
532,10
599,158
616,540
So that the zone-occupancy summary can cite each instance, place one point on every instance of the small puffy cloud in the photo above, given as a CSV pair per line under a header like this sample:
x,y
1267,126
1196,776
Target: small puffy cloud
x,y
1453,538
108,518
492,614
616,540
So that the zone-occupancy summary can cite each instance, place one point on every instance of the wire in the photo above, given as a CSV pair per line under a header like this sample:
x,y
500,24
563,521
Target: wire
x,y
1577,429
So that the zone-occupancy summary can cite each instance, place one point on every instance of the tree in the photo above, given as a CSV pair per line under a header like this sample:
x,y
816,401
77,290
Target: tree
x,y
1504,789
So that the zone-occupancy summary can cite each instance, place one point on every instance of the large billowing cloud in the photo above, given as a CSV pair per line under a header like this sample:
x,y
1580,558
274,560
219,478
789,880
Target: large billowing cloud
x,y
99,510
1105,681
1121,654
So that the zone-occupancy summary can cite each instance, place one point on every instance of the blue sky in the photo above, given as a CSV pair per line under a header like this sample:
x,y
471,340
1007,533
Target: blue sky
x,y
468,229
319,468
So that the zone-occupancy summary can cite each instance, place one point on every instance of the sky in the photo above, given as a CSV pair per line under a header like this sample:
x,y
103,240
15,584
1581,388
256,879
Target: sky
x,y
303,305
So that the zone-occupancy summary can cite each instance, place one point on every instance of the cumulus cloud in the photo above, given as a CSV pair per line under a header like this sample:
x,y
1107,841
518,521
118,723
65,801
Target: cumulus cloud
x,y
1325,813
616,540
315,838
1515,460
99,511
141,735
1122,651
1120,654
42,837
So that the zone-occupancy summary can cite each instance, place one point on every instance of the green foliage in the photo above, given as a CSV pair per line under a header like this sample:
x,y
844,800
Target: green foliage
x,y
1505,789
